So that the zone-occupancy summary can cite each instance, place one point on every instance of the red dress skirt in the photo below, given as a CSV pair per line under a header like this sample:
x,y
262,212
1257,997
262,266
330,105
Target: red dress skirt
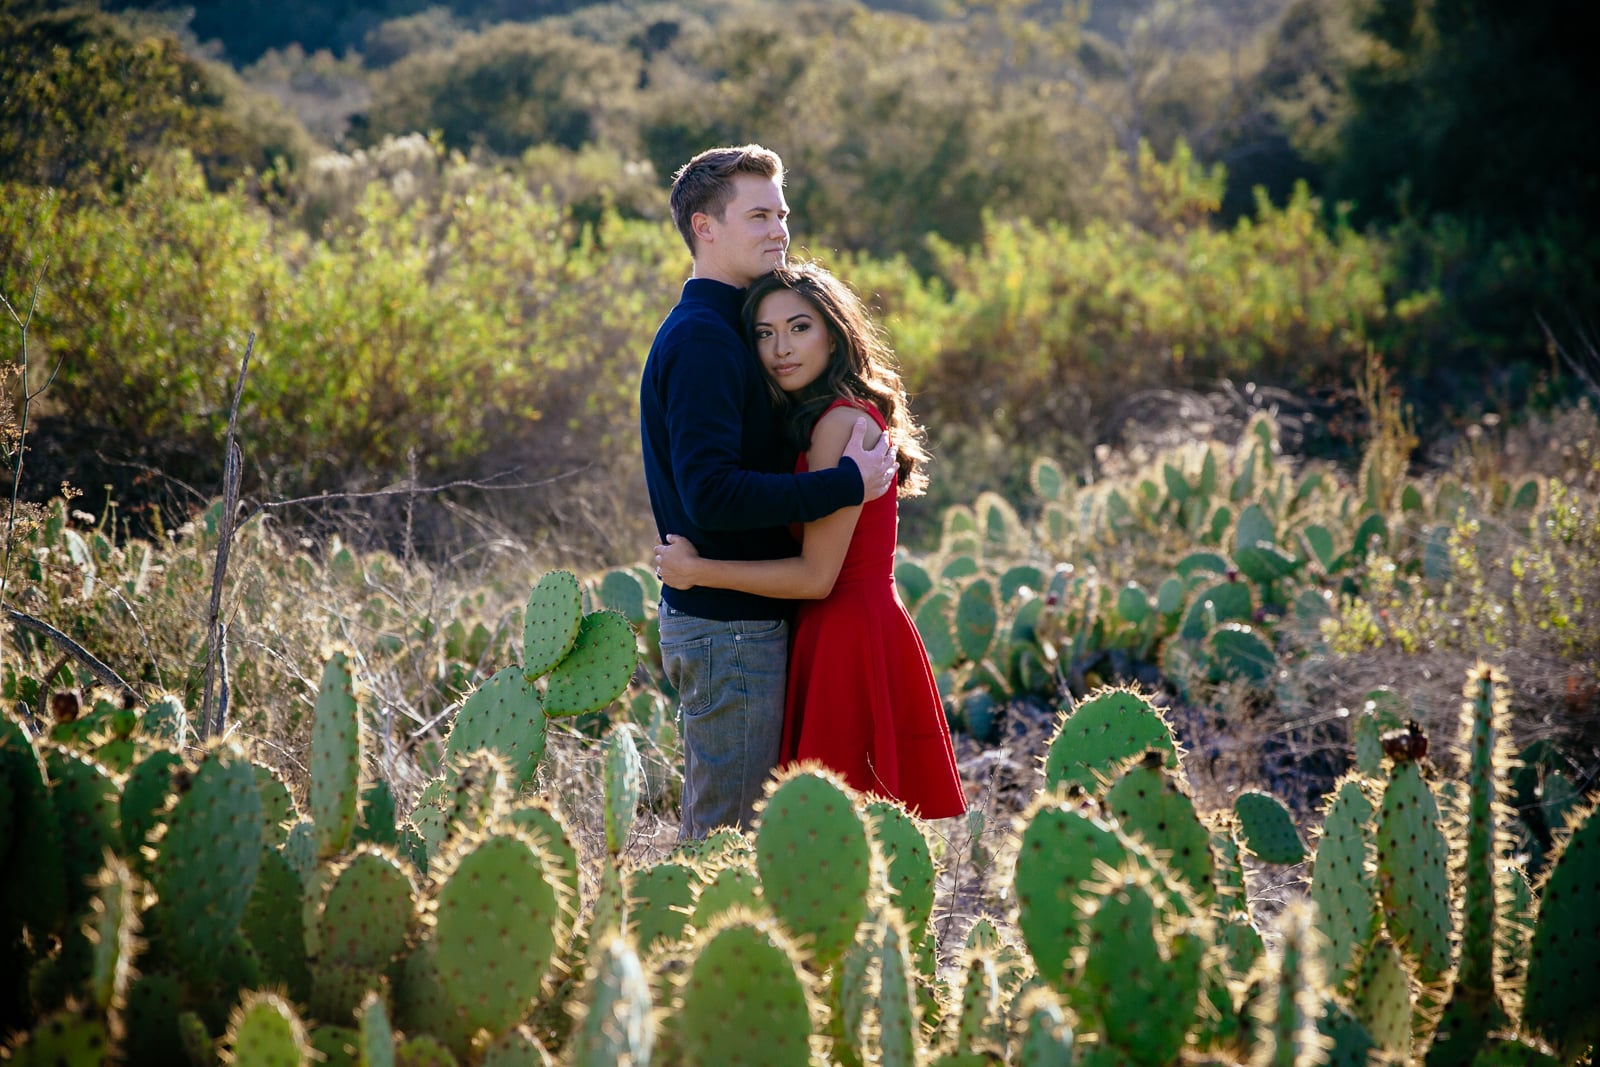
x,y
861,698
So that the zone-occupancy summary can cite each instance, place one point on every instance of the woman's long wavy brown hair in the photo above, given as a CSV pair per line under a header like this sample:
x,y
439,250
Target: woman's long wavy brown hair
x,y
862,367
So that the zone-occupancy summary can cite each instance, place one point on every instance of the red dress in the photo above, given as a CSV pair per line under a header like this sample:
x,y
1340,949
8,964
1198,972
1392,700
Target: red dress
x,y
862,699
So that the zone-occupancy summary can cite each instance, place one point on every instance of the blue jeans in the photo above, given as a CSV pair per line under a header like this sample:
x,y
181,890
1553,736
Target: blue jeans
x,y
730,678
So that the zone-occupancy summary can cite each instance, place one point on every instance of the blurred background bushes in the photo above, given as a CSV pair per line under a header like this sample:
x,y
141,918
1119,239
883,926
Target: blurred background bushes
x,y
446,225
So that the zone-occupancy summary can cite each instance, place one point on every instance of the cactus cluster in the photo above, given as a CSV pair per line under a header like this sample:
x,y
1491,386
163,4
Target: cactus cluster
x,y
167,904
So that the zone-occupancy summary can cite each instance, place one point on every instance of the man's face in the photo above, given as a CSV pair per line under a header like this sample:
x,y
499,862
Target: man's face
x,y
751,238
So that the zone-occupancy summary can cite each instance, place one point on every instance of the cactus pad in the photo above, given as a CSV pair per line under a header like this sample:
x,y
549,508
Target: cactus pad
x,y
1413,877
815,860
550,623
335,757
1139,981
86,800
933,625
277,806
1342,885
65,1038
622,592
910,872
505,716
976,619
1564,955
206,863
744,1001
1268,829
1105,730
1061,849
1382,998
264,1031
274,922
497,924
661,899
617,1026
624,777
366,916
729,888
1150,805
547,829
597,669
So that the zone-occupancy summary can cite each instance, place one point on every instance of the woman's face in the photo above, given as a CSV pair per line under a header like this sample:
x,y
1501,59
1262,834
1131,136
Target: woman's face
x,y
791,340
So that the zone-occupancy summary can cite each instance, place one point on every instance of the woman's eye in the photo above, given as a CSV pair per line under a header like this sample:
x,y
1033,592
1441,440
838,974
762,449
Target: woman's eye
x,y
801,327
762,335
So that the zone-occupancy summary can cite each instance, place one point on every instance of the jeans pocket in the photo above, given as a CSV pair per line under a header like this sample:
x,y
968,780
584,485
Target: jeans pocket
x,y
688,668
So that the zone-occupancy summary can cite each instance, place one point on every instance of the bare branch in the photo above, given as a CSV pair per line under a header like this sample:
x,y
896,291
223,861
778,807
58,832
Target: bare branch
x,y
104,673
213,719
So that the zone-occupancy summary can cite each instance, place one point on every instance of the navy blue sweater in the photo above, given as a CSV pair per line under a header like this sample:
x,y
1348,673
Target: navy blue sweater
x,y
714,459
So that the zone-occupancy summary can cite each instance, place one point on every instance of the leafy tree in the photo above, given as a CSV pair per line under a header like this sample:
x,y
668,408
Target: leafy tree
x,y
1482,108
507,89
90,101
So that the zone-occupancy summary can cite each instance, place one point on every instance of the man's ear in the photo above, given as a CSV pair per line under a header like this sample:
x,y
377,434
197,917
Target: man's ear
x,y
700,223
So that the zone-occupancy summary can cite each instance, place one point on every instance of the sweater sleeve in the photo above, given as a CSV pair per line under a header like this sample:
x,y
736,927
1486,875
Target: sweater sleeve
x,y
703,398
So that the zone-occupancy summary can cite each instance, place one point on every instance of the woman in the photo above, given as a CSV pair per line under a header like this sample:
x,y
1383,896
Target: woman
x,y
861,696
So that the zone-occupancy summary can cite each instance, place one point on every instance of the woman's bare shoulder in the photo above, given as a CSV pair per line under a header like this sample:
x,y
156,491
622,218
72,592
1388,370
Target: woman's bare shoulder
x,y
832,432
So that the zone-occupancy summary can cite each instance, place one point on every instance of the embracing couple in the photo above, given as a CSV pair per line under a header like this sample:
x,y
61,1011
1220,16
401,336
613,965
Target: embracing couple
x,y
772,413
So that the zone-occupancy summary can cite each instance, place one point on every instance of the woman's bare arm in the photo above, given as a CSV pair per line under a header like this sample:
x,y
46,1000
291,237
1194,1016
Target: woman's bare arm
x,y
808,576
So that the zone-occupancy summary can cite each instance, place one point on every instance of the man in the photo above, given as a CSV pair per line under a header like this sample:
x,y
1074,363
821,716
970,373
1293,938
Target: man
x,y
719,474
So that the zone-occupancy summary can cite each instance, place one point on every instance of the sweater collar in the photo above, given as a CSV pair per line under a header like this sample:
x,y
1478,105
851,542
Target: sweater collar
x,y
719,296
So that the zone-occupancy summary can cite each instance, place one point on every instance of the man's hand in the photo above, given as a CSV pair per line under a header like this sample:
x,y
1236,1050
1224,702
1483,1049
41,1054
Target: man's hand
x,y
879,465
675,561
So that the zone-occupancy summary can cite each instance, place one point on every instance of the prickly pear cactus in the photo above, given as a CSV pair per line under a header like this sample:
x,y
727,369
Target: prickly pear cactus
x,y
145,794
274,923
86,800
1101,735
1564,956
366,917
1413,878
1382,998
375,1033
617,1025
206,862
980,1025
165,721
550,622
1140,981
1149,804
506,716
112,931
545,826
34,897
1268,829
498,884
597,669
976,619
909,863
624,777
1474,1008
660,898
1293,1004
1046,1033
899,1035
335,792
744,1000
815,861
66,1037
1342,883
726,889
1062,848
264,1031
